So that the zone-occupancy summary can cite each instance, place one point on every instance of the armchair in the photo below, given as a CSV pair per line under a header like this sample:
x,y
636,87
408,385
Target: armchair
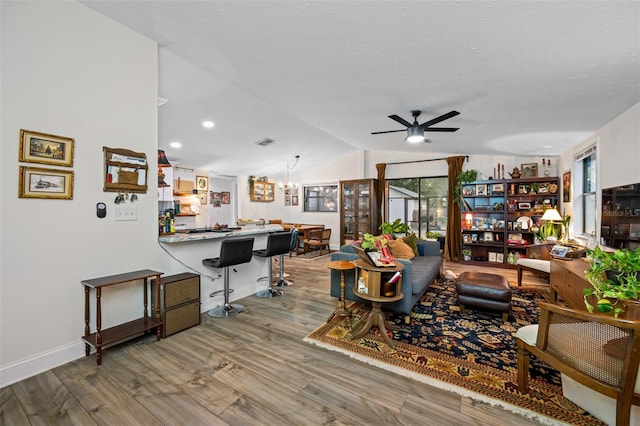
x,y
538,260
318,239
597,357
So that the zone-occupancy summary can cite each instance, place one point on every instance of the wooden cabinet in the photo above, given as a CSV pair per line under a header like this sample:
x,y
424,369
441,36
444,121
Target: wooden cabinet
x,y
179,302
567,279
620,224
262,191
359,209
497,216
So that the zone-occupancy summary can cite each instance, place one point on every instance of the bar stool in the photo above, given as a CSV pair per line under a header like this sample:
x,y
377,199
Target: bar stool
x,y
278,243
281,274
232,252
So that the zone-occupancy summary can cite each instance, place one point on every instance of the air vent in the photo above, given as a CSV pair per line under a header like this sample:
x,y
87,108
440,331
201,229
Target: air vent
x,y
265,142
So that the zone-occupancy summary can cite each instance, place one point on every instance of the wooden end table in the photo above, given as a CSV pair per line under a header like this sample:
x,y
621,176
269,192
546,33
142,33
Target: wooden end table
x,y
376,282
342,266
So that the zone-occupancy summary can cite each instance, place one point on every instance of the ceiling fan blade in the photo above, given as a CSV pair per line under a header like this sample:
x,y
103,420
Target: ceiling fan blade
x,y
388,131
441,129
400,120
439,119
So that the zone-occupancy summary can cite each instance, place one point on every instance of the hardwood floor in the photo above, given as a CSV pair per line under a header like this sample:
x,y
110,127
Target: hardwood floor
x,y
251,369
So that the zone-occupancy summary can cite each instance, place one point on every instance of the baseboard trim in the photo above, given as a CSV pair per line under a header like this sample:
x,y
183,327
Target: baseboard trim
x,y
23,369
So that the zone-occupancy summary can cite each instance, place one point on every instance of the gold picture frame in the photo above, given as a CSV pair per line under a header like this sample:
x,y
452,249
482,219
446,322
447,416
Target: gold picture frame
x,y
529,170
44,148
37,182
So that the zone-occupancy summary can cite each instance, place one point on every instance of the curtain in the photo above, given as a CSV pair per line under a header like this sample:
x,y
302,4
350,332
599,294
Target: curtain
x,y
381,167
453,247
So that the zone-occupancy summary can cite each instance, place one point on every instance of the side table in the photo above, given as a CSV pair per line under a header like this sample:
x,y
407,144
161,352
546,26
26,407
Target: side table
x,y
378,286
342,266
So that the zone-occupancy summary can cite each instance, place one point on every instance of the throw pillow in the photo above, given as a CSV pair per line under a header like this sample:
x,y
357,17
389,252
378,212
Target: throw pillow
x,y
401,250
412,241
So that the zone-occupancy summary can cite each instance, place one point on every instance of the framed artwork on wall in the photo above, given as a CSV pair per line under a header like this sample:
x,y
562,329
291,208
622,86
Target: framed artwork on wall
x,y
202,183
45,183
566,186
226,198
43,148
529,170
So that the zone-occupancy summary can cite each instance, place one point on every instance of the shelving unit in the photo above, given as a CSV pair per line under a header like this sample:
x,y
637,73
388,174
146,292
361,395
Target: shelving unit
x,y
497,216
620,227
358,213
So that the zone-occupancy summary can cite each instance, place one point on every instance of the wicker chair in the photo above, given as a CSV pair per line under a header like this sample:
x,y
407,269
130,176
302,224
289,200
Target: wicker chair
x,y
597,356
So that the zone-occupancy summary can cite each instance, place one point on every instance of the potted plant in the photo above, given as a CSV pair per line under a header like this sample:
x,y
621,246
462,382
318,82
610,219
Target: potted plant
x,y
465,177
466,254
615,286
394,228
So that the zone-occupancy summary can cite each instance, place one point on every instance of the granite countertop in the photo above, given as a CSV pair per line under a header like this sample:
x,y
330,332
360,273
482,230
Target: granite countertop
x,y
243,231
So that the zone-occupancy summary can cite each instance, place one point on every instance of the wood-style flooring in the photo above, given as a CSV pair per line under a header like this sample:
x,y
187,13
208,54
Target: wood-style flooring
x,y
251,369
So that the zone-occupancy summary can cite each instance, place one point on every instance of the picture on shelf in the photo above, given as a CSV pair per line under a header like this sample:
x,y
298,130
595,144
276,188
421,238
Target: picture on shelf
x,y
469,191
488,236
492,256
499,257
543,188
497,188
529,170
466,238
522,189
474,238
524,206
481,189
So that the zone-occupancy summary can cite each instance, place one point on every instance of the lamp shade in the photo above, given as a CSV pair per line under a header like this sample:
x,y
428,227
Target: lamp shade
x,y
552,215
415,134
162,159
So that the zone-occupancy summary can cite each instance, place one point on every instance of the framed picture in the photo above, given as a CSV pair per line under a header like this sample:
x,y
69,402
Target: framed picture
x,y
294,199
543,188
44,148
515,237
202,196
45,183
524,206
216,199
474,238
226,197
497,188
529,170
566,186
466,239
500,257
202,183
469,191
492,256
488,236
481,189
523,189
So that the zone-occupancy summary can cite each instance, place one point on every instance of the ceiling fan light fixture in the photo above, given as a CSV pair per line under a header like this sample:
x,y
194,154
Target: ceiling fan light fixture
x,y
415,134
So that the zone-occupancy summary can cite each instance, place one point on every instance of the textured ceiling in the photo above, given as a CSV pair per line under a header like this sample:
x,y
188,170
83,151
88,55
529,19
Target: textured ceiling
x,y
528,77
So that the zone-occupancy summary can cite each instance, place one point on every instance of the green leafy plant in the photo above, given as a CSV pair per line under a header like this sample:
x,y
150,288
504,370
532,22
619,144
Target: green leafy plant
x,y
466,253
465,177
397,227
432,234
613,277
368,242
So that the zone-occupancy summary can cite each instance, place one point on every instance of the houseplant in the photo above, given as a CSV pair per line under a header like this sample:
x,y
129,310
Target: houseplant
x,y
614,280
465,177
395,227
466,254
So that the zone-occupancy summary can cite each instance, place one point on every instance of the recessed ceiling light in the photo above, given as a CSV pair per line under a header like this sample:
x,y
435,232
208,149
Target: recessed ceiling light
x,y
208,124
175,144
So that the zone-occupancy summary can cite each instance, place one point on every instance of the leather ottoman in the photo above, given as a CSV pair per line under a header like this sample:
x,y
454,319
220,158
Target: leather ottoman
x,y
485,291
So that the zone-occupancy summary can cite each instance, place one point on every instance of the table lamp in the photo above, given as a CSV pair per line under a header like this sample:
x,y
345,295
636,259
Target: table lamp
x,y
552,215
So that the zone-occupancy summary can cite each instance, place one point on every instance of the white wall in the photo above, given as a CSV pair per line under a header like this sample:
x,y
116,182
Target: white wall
x,y
69,71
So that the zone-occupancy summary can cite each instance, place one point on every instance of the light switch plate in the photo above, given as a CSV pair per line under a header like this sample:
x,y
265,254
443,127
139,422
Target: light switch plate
x,y
126,213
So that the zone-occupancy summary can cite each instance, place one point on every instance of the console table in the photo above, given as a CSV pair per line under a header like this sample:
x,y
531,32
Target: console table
x,y
567,279
120,333
379,291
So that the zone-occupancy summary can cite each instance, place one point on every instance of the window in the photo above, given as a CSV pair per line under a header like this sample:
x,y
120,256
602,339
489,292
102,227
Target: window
x,y
321,198
421,203
584,204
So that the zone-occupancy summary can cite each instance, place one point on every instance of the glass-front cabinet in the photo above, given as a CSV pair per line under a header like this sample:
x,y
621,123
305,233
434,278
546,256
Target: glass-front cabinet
x,y
358,213
620,224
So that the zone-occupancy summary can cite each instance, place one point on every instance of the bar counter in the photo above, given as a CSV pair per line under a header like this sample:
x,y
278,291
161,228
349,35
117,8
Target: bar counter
x,y
190,249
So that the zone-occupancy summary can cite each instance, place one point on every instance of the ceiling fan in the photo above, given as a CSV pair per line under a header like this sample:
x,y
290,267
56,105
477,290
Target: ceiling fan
x,y
415,131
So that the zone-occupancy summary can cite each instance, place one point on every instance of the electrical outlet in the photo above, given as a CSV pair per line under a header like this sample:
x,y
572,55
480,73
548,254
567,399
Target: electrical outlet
x,y
126,213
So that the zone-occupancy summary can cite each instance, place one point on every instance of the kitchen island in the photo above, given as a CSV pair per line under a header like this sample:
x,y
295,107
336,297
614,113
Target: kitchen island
x,y
191,248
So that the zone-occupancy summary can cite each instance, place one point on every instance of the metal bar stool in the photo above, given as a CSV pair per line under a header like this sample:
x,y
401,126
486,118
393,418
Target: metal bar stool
x,y
281,274
278,243
232,252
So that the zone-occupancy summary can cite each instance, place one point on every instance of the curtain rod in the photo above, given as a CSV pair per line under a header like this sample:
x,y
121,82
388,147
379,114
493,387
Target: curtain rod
x,y
422,161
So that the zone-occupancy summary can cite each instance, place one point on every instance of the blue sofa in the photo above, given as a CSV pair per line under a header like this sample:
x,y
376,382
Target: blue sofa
x,y
418,273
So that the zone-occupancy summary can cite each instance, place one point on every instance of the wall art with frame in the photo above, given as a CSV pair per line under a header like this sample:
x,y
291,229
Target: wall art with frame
x,y
529,170
566,186
226,198
44,148
45,183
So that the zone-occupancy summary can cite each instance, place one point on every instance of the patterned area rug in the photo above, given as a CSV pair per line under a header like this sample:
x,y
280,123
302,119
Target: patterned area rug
x,y
471,353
